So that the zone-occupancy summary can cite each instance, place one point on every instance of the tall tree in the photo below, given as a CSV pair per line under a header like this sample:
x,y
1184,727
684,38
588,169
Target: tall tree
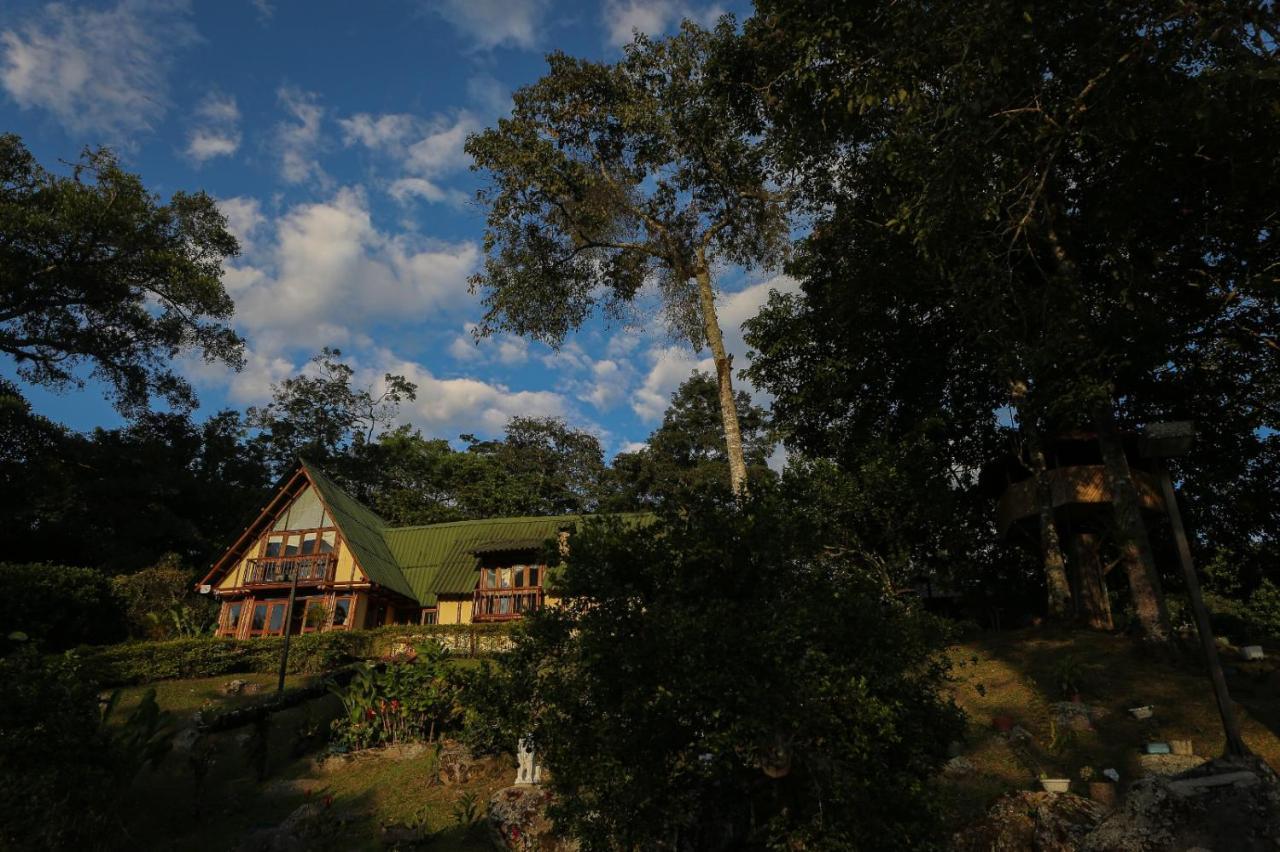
x,y
1090,185
96,272
609,176
318,414
686,454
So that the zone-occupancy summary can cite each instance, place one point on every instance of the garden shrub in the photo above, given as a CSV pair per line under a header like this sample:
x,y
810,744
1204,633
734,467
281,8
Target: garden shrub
x,y
62,767
159,602
722,679
408,701
59,606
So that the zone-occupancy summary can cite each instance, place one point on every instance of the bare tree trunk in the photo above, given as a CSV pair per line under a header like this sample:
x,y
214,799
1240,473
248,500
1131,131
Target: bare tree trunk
x,y
724,376
1131,531
1095,604
1055,565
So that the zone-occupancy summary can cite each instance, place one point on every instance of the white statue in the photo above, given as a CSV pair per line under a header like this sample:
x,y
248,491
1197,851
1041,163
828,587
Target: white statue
x,y
529,770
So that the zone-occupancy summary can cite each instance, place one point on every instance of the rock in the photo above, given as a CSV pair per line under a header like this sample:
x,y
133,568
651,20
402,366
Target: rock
x,y
517,820
1182,748
234,687
1168,764
298,831
185,739
1104,793
396,835
1031,822
958,766
1228,803
1073,715
454,763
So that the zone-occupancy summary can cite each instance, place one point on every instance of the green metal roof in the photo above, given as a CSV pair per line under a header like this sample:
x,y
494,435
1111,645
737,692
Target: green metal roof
x,y
441,558
362,529
424,562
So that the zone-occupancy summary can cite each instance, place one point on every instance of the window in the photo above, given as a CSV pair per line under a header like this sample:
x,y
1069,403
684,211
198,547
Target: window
x,y
231,617
276,621
430,616
341,612
259,618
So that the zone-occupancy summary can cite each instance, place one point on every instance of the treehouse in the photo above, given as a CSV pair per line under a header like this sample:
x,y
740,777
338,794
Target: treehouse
x,y
1081,498
347,569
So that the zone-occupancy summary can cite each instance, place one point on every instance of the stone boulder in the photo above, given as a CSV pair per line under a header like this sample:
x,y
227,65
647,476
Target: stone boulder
x,y
517,820
454,763
1032,822
1224,804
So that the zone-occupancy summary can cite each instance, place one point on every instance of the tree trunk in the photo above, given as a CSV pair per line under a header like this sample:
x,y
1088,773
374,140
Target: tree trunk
x,y
724,376
1131,531
1095,604
1055,565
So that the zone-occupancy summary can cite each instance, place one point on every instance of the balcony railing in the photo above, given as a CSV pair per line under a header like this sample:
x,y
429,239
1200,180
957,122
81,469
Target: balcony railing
x,y
274,570
504,604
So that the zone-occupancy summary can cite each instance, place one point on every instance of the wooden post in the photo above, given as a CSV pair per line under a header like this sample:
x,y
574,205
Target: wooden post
x,y
288,622
1230,724
1095,604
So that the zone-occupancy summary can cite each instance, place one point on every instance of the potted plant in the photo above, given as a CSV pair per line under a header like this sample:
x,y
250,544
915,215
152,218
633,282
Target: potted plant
x,y
1054,785
1102,791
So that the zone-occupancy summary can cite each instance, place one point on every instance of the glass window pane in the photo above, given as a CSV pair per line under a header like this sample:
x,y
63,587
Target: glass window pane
x,y
519,578
504,577
341,608
490,578
259,617
274,544
291,545
307,512
277,618
233,615
533,575
328,541
308,544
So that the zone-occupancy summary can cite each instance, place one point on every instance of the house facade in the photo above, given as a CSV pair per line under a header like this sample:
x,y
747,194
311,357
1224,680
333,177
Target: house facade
x,y
353,571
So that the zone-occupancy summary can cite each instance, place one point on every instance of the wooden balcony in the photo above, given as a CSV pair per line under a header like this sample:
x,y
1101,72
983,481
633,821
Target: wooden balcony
x,y
1077,490
312,570
504,604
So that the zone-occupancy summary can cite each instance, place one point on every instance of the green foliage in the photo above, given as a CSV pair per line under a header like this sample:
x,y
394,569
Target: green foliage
x,y
160,603
318,414
466,809
687,452
398,702
96,272
59,606
1069,675
1252,620
63,763
723,678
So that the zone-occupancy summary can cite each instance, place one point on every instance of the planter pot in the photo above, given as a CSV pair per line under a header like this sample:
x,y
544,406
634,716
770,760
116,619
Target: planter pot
x,y
1181,747
1003,724
1144,712
1252,652
1158,748
1055,785
1104,793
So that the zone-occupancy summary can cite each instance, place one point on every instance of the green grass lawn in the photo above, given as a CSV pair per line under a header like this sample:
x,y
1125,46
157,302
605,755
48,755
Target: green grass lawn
x,y
209,797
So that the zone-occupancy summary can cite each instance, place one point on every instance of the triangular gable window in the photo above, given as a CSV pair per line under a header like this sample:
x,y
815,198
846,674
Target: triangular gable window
x,y
306,512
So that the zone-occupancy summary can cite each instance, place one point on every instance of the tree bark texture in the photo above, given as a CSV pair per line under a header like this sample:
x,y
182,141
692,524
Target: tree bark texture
x,y
1131,530
1055,565
1094,603
724,377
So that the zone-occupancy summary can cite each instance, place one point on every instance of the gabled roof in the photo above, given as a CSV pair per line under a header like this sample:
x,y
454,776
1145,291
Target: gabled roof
x,y
442,558
419,562
363,531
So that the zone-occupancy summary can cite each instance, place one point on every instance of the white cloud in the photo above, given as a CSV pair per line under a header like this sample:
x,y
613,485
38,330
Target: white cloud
x,y
298,139
669,367
736,308
216,130
327,274
265,10
492,23
624,18
97,71
244,219
633,446
425,150
467,404
609,381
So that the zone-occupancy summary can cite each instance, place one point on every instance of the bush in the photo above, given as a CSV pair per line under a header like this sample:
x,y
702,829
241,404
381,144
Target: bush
x,y
158,602
62,768
1254,620
59,606
144,662
720,679
409,701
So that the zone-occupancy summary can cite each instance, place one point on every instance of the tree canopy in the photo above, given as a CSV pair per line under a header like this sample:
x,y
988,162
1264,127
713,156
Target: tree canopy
x,y
609,177
97,273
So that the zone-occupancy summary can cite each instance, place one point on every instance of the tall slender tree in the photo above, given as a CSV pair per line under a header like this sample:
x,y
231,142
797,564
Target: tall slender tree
x,y
610,177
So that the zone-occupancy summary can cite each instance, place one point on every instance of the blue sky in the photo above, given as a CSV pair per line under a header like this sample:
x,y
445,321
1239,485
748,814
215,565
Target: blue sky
x,y
333,141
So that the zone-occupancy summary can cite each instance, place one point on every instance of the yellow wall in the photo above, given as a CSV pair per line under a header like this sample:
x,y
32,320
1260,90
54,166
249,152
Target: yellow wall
x,y
453,610
347,571
358,611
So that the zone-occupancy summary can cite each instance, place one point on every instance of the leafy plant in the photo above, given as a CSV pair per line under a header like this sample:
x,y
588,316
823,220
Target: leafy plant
x,y
1069,675
397,702
466,809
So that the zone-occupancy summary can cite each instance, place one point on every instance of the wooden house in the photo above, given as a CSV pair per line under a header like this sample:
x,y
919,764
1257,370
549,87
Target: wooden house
x,y
352,570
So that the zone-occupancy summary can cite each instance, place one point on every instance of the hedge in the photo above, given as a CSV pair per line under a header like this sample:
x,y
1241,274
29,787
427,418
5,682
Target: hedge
x,y
134,663
59,606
